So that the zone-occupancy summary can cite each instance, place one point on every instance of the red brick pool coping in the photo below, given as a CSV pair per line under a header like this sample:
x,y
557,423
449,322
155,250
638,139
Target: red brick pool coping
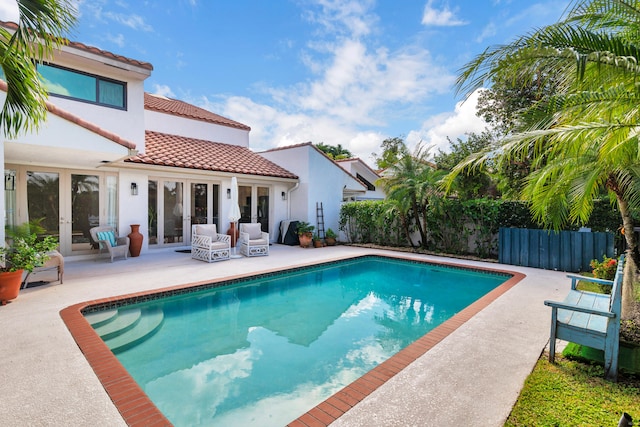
x,y
138,410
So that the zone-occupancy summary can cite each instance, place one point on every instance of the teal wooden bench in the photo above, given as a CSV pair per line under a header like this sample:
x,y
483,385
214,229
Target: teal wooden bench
x,y
590,319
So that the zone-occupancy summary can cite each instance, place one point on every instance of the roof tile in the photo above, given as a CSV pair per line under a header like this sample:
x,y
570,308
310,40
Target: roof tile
x,y
163,149
175,107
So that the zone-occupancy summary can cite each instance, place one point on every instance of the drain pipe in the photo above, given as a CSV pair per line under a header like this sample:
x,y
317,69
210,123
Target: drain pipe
x,y
626,420
289,191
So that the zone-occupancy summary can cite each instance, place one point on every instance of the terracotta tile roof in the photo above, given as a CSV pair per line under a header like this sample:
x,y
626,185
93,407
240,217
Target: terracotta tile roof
x,y
163,149
174,107
53,109
81,46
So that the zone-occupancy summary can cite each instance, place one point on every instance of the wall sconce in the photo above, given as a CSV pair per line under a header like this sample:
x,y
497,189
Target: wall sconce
x,y
9,182
228,193
284,196
134,189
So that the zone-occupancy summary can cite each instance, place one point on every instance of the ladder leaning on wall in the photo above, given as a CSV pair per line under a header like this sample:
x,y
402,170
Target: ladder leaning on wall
x,y
320,220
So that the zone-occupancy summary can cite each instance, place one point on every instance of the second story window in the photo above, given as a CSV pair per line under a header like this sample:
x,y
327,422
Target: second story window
x,y
72,84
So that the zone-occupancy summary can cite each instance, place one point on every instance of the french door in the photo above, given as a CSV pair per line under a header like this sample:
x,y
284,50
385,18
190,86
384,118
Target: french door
x,y
254,204
65,203
176,204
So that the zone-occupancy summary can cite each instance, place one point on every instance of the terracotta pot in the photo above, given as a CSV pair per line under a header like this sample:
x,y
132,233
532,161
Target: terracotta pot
x,y
10,285
135,240
305,239
231,231
330,241
317,243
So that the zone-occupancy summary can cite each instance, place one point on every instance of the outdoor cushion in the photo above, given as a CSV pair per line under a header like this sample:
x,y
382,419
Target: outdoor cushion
x,y
257,242
108,236
254,230
218,245
208,230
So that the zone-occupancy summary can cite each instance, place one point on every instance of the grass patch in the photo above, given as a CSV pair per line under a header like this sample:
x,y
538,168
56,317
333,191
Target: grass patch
x,y
571,393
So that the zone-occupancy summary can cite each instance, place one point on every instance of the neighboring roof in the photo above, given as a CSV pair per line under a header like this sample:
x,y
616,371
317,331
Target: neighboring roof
x,y
358,160
81,46
310,144
174,107
53,109
163,149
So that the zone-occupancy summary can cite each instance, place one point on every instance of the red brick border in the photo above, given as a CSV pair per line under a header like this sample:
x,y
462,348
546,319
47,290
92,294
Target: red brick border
x,y
138,410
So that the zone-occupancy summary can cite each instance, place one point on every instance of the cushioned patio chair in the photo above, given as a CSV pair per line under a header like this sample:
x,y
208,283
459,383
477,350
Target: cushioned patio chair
x,y
55,262
209,245
107,238
253,241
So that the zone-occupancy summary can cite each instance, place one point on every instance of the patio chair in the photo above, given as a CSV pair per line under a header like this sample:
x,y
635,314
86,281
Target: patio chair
x,y
106,237
209,245
253,241
55,262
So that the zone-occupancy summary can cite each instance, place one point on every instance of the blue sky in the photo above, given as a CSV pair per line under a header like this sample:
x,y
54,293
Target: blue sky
x,y
349,72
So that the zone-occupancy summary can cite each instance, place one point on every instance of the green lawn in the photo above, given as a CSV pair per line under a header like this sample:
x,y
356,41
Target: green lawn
x,y
572,393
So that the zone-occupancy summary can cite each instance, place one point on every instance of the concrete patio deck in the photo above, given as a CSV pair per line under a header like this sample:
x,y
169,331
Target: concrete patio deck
x,y
472,377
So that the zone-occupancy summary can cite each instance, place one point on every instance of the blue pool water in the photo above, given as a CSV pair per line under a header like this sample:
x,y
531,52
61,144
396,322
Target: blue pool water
x,y
265,351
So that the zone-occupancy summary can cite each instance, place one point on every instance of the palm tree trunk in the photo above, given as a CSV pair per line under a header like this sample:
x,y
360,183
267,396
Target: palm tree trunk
x,y
628,288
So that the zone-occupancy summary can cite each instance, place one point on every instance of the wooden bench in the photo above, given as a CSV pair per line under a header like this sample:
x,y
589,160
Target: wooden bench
x,y
590,319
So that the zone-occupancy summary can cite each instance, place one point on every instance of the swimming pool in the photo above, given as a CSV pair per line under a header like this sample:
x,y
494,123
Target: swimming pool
x,y
395,314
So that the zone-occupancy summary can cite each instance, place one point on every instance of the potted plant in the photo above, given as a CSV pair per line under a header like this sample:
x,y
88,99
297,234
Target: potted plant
x,y
330,237
317,241
305,233
24,252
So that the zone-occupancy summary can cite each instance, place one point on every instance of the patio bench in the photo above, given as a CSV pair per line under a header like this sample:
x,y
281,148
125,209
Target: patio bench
x,y
591,319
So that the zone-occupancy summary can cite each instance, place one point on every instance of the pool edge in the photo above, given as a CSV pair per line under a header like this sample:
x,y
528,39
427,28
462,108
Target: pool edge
x,y
137,409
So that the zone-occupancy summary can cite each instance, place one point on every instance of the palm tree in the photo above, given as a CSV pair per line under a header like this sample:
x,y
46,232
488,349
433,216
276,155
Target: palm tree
x,y
410,183
40,30
584,138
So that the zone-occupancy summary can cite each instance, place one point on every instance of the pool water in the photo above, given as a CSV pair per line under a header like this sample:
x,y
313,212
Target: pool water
x,y
263,352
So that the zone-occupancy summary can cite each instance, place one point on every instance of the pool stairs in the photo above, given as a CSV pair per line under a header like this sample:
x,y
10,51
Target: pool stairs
x,y
122,329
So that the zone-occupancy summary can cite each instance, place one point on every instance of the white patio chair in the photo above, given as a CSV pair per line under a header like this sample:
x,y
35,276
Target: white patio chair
x,y
209,245
253,241
107,238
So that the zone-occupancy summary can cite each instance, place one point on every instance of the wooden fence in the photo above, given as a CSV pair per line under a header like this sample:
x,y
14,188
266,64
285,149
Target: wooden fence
x,y
564,250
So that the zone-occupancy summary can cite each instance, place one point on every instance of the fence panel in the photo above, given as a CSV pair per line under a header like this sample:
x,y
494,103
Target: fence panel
x,y
564,250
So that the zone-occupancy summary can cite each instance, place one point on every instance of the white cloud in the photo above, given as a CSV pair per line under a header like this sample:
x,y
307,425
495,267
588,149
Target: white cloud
x,y
455,124
489,30
136,22
440,17
163,90
117,39
344,16
9,10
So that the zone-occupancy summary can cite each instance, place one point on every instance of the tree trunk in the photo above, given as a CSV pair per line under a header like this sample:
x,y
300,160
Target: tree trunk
x,y
628,288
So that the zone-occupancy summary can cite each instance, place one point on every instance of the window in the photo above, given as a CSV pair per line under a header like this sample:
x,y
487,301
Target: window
x,y
369,185
84,87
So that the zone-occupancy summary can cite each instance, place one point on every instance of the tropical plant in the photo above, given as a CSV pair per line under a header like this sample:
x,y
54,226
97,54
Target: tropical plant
x,y
410,183
40,30
584,138
26,250
605,269
330,233
305,227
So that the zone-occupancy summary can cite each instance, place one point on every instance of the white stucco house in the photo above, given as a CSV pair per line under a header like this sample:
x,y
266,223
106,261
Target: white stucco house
x,y
111,154
356,167
320,181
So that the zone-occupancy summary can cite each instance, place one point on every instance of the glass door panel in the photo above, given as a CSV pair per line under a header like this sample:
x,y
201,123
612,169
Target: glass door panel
x,y
244,202
173,210
153,212
43,201
199,203
263,208
85,210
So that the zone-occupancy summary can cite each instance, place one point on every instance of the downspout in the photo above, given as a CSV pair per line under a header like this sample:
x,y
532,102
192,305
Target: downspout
x,y
289,191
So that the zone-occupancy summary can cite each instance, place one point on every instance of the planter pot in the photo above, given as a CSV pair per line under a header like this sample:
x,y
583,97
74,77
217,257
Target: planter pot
x,y
317,243
330,241
305,239
135,240
234,233
10,285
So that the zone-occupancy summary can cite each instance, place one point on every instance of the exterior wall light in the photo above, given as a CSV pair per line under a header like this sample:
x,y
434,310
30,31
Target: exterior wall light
x,y
9,182
134,189
284,196
228,193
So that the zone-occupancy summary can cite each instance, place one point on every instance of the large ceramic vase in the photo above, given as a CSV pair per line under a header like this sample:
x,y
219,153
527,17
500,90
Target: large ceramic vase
x,y
10,285
234,233
135,240
305,239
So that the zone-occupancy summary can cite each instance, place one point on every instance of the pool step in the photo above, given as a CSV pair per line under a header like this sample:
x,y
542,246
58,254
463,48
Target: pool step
x,y
149,322
99,318
120,323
